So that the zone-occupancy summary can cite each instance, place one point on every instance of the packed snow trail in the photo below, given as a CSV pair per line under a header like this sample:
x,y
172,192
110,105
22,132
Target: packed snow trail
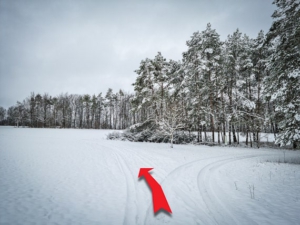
x,y
57,176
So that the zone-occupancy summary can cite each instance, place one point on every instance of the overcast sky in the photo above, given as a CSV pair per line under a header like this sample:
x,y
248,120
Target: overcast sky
x,y
86,47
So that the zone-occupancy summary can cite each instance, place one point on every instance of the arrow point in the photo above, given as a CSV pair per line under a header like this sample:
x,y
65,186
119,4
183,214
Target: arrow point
x,y
144,171
165,207
160,203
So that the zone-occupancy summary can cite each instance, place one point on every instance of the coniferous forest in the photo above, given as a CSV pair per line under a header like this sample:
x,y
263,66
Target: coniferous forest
x,y
240,85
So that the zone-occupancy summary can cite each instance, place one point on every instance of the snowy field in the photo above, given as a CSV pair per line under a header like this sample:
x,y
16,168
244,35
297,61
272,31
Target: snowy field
x,y
57,176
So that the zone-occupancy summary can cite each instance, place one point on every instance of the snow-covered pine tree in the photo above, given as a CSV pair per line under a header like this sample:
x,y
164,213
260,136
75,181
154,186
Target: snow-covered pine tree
x,y
210,57
99,110
244,109
259,57
283,83
109,106
93,110
161,83
38,110
151,87
202,62
174,114
2,115
192,83
144,88
232,65
87,107
223,99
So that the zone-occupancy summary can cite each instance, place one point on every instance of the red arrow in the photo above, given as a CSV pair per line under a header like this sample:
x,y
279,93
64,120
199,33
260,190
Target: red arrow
x,y
158,196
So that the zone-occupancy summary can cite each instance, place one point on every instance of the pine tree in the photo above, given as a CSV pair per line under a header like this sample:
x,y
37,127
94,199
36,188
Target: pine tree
x,y
2,115
93,110
32,109
38,109
283,83
109,104
100,103
233,66
203,61
161,80
192,83
175,113
245,95
149,88
211,55
259,57
45,106
87,106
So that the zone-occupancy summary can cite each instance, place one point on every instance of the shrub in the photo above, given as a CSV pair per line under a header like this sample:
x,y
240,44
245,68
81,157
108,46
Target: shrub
x,y
148,132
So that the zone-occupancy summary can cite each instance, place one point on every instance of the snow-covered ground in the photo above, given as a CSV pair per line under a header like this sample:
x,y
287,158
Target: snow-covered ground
x,y
57,176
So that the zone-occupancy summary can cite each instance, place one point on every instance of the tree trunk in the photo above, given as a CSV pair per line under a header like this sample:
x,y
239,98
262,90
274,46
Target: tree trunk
x,y
212,128
233,134
258,141
247,134
75,119
198,138
294,145
45,116
201,129
229,132
219,134
224,132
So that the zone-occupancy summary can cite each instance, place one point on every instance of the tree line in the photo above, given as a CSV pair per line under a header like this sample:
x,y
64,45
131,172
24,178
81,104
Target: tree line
x,y
240,85
111,111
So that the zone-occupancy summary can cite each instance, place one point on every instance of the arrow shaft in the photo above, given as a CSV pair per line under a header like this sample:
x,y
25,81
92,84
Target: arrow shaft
x,y
158,196
151,181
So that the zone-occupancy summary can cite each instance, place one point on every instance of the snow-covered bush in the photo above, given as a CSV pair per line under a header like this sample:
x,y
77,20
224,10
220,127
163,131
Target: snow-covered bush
x,y
136,134
114,135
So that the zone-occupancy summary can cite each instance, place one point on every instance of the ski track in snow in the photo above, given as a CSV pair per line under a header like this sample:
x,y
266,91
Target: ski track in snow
x,y
216,207
131,206
78,177
216,212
